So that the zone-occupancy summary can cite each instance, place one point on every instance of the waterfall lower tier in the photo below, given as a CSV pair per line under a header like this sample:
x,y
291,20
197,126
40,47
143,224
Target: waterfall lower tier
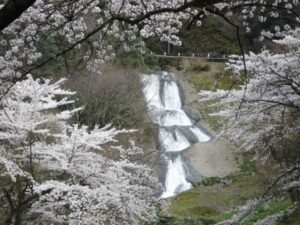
x,y
176,132
175,180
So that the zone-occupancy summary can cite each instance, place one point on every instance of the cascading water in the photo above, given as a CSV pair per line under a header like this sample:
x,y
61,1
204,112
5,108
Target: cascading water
x,y
176,130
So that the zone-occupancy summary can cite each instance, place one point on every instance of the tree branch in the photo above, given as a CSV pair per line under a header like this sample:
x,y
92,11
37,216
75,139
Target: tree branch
x,y
12,10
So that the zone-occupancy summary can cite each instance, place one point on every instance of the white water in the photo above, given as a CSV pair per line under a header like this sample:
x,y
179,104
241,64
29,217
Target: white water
x,y
199,134
171,101
172,142
165,111
164,104
175,178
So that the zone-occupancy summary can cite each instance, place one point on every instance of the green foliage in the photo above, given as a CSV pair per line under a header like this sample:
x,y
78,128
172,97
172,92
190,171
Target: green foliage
x,y
206,216
131,59
215,35
148,132
247,168
222,217
271,208
219,198
215,78
209,181
202,210
214,122
172,220
201,74
291,218
168,63
166,220
150,60
203,80
226,80
200,67
212,204
135,59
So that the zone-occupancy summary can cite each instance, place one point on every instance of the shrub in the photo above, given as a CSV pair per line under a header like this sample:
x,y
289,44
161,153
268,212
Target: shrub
x,y
131,59
226,80
165,63
151,61
200,67
247,168
112,97
134,59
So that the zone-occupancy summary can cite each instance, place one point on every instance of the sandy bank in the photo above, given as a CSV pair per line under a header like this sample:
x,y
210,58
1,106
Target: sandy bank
x,y
214,158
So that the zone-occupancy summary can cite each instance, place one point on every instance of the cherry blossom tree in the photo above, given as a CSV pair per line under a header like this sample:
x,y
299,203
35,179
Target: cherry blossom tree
x,y
263,112
125,21
54,172
263,115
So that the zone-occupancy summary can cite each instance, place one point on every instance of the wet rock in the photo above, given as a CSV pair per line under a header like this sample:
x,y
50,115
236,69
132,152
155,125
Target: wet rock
x,y
192,114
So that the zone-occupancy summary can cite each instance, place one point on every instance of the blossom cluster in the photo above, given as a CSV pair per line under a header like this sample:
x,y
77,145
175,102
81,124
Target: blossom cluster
x,y
62,166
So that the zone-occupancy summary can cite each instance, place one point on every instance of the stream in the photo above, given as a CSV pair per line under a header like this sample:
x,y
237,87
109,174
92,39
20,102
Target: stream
x,y
176,132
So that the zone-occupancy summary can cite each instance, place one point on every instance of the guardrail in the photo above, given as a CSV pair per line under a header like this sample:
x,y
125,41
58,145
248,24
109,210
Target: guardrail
x,y
208,57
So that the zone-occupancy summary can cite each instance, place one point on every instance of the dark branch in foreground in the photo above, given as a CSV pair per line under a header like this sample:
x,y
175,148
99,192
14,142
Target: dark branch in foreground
x,y
12,10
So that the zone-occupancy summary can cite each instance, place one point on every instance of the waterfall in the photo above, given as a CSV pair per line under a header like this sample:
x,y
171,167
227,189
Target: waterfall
x,y
175,178
176,130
